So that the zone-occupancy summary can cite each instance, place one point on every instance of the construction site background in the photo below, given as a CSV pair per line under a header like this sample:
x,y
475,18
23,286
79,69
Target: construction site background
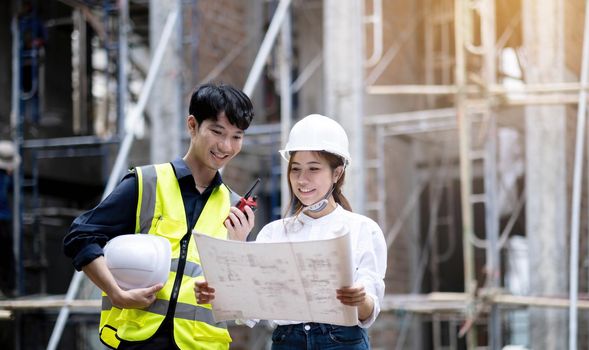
x,y
467,127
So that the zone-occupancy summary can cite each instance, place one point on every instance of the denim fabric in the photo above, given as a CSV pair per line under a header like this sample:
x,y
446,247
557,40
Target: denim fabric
x,y
319,336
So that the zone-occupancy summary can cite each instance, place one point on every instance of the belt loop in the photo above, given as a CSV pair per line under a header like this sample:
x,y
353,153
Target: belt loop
x,y
324,328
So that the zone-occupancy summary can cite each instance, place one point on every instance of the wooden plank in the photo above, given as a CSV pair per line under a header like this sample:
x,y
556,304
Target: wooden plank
x,y
22,304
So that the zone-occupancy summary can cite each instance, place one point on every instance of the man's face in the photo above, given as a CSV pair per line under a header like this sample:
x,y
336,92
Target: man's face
x,y
215,143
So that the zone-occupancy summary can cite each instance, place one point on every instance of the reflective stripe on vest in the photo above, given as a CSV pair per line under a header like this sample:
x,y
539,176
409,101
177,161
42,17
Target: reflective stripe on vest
x,y
183,311
160,211
190,269
146,206
234,197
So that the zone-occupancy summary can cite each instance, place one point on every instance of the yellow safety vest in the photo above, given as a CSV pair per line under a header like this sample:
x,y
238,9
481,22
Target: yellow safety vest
x,y
160,211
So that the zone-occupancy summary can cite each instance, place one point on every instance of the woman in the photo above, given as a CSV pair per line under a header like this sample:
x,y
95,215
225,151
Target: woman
x,y
317,155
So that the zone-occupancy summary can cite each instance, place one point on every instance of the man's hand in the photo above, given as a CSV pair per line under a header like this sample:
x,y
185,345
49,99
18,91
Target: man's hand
x,y
99,273
135,298
239,224
203,293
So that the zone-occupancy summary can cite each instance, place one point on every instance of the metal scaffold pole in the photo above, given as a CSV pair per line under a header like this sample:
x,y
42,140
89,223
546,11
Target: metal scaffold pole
x,y
577,188
493,258
285,98
465,169
266,46
123,56
17,135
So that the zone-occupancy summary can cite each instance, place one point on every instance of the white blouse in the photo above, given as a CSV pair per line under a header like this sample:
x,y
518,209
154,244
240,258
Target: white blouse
x,y
369,248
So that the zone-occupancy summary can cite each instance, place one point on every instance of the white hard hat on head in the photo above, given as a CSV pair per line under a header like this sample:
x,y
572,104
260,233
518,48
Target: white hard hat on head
x,y
138,260
317,132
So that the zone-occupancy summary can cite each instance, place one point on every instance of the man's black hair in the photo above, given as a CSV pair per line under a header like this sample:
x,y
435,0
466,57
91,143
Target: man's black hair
x,y
210,100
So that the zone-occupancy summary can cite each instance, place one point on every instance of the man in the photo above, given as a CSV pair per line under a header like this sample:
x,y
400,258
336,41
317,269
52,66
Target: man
x,y
188,194
7,263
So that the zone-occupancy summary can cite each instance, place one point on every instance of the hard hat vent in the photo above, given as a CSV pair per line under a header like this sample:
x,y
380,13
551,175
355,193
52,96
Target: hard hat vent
x,y
138,260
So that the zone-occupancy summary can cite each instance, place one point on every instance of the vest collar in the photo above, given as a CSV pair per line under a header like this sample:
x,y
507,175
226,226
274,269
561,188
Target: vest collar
x,y
183,171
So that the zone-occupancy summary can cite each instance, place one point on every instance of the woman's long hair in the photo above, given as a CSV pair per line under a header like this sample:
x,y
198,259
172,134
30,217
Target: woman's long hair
x,y
295,207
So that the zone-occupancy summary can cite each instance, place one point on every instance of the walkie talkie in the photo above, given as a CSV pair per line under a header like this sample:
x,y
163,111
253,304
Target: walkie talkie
x,y
247,199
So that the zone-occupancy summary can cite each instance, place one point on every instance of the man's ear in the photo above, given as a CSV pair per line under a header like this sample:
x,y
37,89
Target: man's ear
x,y
192,124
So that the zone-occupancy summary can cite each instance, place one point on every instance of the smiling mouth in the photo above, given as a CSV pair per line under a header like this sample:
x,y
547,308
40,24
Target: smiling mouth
x,y
219,155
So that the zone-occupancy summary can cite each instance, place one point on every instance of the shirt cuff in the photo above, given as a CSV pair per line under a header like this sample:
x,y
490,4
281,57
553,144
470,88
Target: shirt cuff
x,y
249,323
375,311
87,255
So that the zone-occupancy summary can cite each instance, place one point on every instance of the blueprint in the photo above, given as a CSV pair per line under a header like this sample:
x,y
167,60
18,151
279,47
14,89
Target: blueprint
x,y
278,281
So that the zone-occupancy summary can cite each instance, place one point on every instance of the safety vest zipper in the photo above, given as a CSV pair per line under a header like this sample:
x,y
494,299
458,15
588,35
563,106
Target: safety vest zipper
x,y
179,274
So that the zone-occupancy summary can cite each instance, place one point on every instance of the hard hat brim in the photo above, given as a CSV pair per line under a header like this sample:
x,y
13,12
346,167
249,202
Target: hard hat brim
x,y
285,153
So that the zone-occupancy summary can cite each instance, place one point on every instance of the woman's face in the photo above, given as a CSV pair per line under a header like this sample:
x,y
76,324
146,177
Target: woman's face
x,y
310,177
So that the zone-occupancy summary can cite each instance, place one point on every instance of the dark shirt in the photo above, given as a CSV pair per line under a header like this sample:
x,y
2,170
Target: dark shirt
x,y
116,214
5,189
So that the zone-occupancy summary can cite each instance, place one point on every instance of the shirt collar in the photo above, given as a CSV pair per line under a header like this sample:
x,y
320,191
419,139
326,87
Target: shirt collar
x,y
183,171
307,219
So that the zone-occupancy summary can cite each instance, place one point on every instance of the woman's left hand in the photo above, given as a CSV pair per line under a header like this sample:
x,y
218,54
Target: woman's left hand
x,y
356,296
352,296
239,224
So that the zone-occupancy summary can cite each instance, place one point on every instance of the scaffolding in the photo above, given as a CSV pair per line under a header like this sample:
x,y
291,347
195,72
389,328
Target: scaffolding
x,y
460,69
477,100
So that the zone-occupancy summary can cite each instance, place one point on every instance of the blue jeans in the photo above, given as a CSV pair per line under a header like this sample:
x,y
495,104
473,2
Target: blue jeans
x,y
319,336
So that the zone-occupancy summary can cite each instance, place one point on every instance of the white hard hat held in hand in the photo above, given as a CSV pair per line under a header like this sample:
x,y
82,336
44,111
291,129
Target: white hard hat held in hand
x,y
138,260
317,132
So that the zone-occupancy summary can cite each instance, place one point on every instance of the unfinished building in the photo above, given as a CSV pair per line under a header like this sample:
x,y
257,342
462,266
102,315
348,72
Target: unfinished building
x,y
467,127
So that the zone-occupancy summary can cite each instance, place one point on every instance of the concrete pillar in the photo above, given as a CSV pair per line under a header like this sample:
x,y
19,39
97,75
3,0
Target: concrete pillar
x,y
343,71
167,116
546,202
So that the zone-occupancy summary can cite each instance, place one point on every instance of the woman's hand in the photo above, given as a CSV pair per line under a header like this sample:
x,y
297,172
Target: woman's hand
x,y
203,293
135,298
356,296
239,224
